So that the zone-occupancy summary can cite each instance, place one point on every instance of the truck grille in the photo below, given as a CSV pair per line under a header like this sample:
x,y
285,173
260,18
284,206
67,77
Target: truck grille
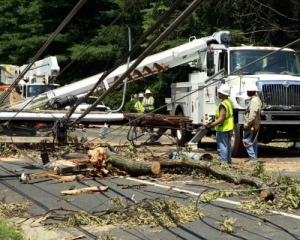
x,y
280,96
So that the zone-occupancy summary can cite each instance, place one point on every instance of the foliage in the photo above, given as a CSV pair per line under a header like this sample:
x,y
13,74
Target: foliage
x,y
9,231
227,225
165,213
88,45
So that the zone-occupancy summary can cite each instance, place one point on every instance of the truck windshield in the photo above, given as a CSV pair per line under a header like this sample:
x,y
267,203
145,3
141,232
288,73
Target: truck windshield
x,y
34,90
281,62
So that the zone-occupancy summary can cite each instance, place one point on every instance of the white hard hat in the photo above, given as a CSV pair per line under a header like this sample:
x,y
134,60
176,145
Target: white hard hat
x,y
224,89
141,95
252,88
148,91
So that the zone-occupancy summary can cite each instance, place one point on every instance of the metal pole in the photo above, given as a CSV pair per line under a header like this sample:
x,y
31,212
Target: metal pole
x,y
192,7
125,83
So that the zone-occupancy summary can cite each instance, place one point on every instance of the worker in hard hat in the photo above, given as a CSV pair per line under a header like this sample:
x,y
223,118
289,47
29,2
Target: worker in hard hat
x,y
148,103
138,106
252,121
223,124
15,96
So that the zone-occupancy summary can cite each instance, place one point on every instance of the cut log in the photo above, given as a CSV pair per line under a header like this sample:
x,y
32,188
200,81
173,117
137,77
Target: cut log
x,y
267,195
131,167
85,190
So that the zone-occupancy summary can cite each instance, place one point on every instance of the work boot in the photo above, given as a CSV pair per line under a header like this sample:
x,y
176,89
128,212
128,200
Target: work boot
x,y
251,159
261,161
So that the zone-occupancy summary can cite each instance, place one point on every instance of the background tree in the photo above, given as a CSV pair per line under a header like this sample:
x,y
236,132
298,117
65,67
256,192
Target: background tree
x,y
26,25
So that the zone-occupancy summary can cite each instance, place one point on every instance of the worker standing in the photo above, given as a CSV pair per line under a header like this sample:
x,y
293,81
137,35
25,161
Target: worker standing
x,y
252,122
138,106
148,103
224,124
15,96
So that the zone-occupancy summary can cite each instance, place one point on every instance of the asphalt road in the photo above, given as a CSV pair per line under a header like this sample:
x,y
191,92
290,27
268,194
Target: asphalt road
x,y
45,194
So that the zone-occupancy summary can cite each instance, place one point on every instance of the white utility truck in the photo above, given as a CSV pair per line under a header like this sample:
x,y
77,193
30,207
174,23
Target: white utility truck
x,y
35,81
275,71
214,62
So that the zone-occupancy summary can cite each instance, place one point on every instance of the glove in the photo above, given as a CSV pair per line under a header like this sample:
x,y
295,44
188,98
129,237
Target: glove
x,y
208,127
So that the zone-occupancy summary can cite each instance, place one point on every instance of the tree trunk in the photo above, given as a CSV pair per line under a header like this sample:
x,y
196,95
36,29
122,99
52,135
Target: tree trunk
x,y
216,170
131,167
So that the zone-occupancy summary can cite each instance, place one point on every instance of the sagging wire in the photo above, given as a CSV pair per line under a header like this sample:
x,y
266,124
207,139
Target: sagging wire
x,y
71,111
164,35
237,210
131,121
125,57
209,79
60,126
57,31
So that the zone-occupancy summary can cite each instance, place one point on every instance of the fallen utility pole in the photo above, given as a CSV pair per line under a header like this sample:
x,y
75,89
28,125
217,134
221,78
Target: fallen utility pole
x,y
193,6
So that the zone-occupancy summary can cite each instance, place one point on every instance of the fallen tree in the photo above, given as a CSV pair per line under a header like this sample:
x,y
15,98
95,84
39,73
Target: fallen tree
x,y
221,172
101,155
215,168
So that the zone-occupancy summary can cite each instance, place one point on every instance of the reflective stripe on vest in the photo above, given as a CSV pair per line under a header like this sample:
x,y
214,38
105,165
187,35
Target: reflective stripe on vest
x,y
228,124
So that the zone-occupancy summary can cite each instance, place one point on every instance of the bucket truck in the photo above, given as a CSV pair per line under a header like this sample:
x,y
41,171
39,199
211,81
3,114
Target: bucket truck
x,y
214,62
275,71
35,80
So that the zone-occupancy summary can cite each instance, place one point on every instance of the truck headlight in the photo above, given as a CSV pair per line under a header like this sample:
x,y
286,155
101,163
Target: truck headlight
x,y
240,101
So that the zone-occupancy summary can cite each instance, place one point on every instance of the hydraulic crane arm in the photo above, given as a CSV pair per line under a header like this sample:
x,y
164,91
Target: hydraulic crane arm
x,y
153,64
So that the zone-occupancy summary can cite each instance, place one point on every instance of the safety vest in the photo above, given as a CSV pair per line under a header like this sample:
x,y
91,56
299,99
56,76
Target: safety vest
x,y
148,101
228,124
139,107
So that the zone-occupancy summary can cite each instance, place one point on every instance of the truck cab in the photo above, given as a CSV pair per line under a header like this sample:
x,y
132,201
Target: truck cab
x,y
275,71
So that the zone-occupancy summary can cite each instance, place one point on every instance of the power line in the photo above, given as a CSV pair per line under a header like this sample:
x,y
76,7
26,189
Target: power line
x,y
43,48
192,7
124,58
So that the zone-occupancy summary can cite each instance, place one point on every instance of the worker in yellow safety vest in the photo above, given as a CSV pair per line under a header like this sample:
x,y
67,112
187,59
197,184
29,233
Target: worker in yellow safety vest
x,y
138,106
224,124
148,103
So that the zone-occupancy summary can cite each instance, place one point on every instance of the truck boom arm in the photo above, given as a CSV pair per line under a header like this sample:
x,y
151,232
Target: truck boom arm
x,y
40,71
153,64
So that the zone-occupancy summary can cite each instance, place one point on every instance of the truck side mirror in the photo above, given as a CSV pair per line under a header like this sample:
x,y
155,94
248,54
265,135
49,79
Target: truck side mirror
x,y
210,63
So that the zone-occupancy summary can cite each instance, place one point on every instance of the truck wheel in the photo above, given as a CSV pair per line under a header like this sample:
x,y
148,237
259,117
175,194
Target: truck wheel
x,y
183,136
238,148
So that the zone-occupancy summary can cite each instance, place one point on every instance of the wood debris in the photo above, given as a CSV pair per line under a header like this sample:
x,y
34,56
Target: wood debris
x,y
85,190
42,218
66,178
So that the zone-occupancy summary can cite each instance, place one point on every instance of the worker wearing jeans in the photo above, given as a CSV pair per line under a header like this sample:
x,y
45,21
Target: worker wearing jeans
x,y
224,145
252,145
148,103
252,122
223,124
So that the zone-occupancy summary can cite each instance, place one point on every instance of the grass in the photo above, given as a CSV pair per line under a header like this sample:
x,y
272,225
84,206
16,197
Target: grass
x,y
9,232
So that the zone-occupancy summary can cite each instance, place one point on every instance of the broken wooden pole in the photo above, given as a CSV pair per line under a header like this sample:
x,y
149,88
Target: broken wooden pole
x,y
85,190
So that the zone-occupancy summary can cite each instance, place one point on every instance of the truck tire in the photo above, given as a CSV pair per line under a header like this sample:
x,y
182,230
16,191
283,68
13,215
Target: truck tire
x,y
183,136
238,148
